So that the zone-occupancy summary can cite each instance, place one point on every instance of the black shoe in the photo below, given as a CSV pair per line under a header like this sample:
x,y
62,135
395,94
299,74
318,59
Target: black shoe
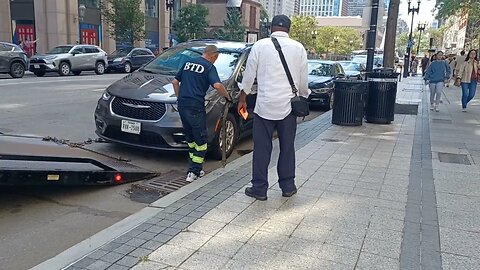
x,y
249,192
289,194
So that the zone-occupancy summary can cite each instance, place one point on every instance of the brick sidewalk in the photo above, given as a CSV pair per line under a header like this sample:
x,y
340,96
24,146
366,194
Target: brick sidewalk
x,y
367,200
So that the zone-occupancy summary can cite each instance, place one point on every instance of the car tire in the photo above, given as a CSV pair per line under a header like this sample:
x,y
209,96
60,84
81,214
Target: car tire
x,y
99,68
64,69
39,73
17,70
128,67
77,73
232,135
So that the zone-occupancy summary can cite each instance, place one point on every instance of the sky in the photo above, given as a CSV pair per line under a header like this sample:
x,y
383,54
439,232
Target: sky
x,y
424,16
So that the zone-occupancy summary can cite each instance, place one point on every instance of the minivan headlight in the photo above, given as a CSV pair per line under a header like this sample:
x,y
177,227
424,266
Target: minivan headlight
x,y
106,96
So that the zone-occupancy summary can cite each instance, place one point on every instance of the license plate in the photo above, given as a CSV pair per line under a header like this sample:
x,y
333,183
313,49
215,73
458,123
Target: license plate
x,y
36,66
131,127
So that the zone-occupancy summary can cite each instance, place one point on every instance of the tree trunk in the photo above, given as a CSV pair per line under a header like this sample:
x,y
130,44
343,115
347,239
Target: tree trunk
x,y
390,34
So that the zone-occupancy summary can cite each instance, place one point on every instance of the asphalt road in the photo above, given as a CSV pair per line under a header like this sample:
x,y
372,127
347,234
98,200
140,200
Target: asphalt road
x,y
38,223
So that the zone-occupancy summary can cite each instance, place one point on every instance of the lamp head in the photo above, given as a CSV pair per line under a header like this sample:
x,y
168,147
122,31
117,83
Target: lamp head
x,y
82,10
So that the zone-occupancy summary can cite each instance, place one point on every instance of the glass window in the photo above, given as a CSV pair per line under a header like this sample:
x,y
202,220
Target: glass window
x,y
170,61
62,49
151,8
319,69
121,52
91,50
5,48
90,3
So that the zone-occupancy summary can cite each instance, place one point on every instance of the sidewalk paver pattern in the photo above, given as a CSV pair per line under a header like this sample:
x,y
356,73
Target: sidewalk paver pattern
x,y
367,198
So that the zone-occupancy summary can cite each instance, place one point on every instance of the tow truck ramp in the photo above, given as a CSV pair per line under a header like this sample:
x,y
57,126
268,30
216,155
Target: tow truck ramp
x,y
30,160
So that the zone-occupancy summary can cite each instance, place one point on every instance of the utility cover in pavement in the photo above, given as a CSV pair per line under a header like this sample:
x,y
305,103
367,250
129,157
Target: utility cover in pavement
x,y
454,158
410,109
153,189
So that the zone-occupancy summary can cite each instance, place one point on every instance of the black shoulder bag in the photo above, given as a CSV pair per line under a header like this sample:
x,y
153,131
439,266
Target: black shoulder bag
x,y
300,106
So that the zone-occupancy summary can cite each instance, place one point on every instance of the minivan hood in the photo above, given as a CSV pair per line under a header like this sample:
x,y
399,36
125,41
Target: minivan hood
x,y
144,86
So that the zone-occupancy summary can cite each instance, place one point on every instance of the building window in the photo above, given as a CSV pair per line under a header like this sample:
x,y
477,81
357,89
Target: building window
x,y
151,8
90,3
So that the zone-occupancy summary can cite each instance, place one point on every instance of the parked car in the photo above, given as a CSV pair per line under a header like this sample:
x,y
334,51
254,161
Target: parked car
x,y
353,70
321,79
377,60
129,59
140,110
13,60
70,58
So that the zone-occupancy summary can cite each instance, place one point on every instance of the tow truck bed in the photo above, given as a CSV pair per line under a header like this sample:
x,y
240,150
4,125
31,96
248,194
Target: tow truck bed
x,y
33,161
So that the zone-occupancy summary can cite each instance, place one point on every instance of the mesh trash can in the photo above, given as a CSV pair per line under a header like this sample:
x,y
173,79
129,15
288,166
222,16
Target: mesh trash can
x,y
348,102
381,95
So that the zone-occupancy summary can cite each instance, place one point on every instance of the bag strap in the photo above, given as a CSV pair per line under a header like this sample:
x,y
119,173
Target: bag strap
x,y
285,65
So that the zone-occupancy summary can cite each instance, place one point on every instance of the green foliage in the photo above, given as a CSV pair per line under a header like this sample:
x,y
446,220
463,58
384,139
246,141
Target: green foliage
x,y
263,14
234,29
124,18
191,22
301,30
447,8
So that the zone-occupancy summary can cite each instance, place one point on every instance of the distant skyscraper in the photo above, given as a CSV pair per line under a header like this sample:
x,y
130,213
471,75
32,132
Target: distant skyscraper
x,y
322,8
276,7
296,9
356,7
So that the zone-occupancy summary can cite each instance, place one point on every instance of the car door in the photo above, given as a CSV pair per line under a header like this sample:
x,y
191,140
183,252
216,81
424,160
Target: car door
x,y
235,92
147,55
91,57
136,58
77,59
5,55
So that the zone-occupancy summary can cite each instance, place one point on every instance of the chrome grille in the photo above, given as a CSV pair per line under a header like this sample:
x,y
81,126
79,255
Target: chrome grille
x,y
136,109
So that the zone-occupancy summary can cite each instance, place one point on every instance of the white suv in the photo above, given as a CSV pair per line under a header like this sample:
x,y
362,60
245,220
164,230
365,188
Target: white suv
x,y
70,58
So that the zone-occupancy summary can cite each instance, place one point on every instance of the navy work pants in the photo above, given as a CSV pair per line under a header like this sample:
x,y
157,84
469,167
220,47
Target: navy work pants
x,y
262,150
195,129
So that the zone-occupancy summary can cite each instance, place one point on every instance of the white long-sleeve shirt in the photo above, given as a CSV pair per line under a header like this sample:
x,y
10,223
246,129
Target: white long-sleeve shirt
x,y
274,91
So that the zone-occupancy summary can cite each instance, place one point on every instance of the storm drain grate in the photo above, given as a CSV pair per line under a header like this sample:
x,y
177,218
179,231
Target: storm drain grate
x,y
441,121
150,190
409,109
454,158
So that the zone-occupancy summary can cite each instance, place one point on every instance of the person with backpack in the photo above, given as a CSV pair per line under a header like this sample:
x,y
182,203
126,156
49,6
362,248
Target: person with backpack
x,y
436,76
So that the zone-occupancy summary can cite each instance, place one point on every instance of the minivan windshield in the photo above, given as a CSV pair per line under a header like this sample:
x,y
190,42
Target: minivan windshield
x,y
121,52
170,61
319,69
60,49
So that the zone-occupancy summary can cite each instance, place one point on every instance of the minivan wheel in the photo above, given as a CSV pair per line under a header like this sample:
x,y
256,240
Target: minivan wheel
x,y
99,68
64,69
128,67
232,135
17,70
39,73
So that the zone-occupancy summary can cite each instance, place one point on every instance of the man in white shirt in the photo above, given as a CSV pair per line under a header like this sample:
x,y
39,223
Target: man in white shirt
x,y
273,108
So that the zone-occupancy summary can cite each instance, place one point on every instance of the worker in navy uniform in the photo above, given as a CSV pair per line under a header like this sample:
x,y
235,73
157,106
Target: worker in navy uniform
x,y
190,85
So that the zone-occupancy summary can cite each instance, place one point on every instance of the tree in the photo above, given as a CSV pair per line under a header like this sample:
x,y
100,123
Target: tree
x,y
348,39
234,29
301,30
125,20
263,14
191,22
390,33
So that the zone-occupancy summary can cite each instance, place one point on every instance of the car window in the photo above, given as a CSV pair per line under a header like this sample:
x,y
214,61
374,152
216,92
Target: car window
x,y
91,50
171,60
78,50
338,69
5,48
120,53
136,53
144,52
319,69
60,49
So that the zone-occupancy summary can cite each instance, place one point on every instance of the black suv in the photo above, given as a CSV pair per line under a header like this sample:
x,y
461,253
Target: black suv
x,y
140,110
129,59
13,60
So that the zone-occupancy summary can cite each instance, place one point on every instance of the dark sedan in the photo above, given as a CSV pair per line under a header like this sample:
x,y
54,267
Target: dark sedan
x,y
13,60
129,59
321,78
353,70
140,110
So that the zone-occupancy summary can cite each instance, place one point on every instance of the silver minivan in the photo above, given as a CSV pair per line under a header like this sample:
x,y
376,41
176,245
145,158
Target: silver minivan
x,y
68,59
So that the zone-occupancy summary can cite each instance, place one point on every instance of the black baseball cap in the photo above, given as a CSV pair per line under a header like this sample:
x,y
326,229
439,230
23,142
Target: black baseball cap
x,y
281,21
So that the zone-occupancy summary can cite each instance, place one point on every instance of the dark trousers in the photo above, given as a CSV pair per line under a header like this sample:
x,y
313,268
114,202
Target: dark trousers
x,y
262,150
195,129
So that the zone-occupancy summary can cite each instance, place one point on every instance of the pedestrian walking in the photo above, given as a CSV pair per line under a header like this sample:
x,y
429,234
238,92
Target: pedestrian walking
x,y
453,65
273,108
468,76
414,66
436,75
424,63
191,84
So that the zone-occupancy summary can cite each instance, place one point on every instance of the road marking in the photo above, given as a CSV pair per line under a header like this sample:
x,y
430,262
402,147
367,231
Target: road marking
x,y
11,106
62,80
98,90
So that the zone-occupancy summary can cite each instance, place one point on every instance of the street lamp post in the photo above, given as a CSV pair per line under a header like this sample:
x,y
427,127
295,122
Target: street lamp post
x,y
351,45
421,28
314,37
170,4
412,10
335,42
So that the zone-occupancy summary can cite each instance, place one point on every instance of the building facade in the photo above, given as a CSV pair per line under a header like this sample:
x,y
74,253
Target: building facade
x,y
322,8
277,7
357,7
49,23
455,36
